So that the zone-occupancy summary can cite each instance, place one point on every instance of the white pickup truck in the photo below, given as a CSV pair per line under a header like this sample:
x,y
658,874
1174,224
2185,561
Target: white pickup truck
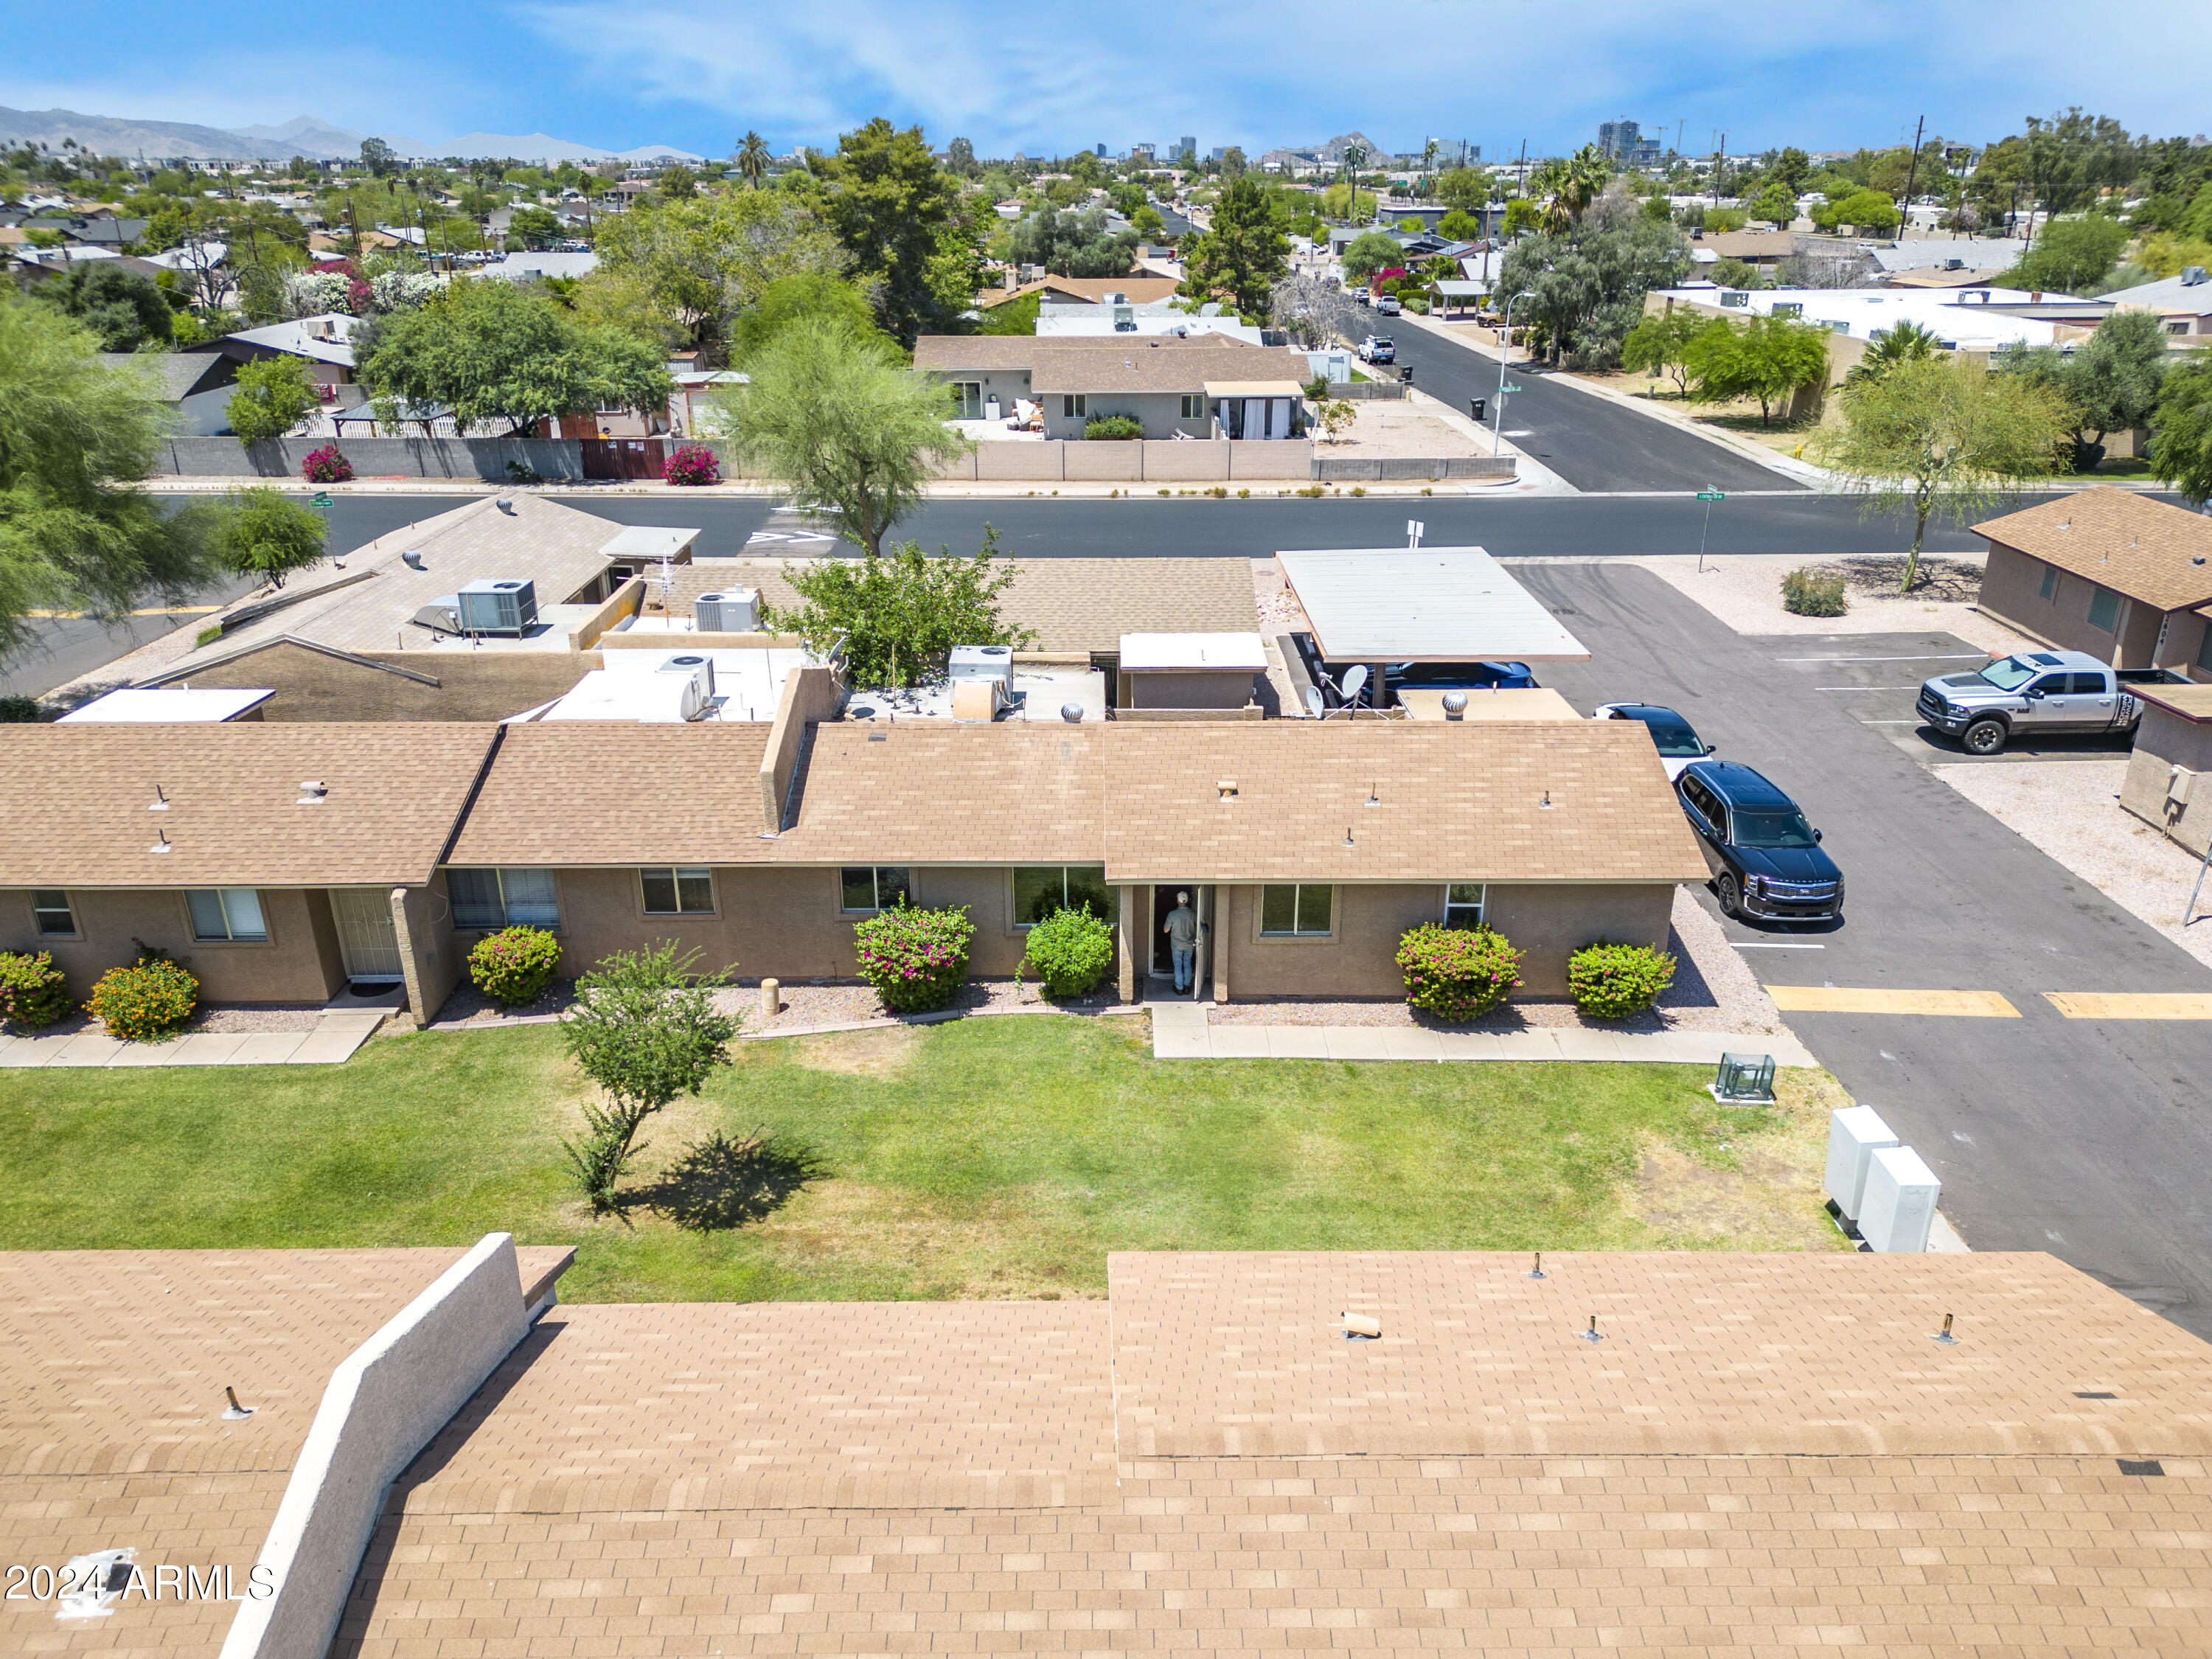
x,y
2032,693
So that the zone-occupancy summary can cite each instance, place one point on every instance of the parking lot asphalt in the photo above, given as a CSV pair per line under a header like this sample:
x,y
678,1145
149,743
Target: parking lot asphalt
x,y
2087,1138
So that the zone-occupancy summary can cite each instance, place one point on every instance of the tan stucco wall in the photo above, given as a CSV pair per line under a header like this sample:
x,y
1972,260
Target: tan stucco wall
x,y
2186,636
2011,589
2164,741
488,684
1359,958
431,960
298,962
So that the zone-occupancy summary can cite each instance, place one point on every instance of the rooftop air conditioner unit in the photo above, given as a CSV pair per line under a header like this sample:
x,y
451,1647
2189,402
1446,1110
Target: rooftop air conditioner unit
x,y
982,662
1955,264
2191,276
735,612
697,674
499,605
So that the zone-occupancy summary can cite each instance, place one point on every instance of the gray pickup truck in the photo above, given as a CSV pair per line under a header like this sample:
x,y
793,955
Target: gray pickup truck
x,y
2033,693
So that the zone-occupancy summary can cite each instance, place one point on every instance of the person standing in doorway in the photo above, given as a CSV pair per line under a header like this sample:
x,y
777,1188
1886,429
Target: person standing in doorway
x,y
1181,929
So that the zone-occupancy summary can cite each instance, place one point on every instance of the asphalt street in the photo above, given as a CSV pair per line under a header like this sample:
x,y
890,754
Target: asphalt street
x,y
1590,442
67,646
2085,1138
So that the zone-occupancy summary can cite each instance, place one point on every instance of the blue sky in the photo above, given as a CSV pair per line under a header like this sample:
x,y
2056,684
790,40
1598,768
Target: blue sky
x,y
1819,73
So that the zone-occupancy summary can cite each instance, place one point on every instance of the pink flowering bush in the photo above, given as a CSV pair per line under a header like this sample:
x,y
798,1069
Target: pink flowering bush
x,y
1457,973
514,964
916,959
326,466
694,464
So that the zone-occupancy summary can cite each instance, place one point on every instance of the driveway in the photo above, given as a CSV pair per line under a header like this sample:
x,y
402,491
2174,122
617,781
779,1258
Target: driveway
x,y
2087,1138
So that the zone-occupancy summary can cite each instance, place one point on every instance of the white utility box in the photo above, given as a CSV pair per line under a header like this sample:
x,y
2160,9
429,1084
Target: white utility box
x,y
1854,1134
1899,1205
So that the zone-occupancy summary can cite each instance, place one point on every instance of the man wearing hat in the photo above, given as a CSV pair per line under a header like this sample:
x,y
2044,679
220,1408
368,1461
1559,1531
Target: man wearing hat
x,y
1181,929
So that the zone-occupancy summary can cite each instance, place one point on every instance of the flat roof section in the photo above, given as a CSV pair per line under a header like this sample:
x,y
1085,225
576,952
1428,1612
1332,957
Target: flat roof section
x,y
165,706
1422,604
1192,653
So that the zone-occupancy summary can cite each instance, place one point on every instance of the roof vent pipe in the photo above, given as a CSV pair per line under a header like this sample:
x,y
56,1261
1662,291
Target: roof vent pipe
x,y
506,504
1455,705
1071,713
412,559
313,791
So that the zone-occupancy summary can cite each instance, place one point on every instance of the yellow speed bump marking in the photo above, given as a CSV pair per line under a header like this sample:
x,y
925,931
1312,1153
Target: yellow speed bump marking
x,y
2131,1005
1858,1000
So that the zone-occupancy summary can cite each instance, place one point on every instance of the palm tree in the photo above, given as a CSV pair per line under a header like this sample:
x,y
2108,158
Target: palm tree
x,y
1907,342
753,158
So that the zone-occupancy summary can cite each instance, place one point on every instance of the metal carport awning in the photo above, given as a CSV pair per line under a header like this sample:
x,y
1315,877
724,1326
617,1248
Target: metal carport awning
x,y
1422,604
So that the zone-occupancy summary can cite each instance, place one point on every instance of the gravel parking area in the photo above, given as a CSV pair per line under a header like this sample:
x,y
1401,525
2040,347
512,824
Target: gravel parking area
x,y
2072,812
1713,991
1746,593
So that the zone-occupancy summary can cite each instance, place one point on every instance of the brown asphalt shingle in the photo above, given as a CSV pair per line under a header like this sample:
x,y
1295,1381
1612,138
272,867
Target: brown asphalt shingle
x,y
593,793
2118,539
1453,802
75,812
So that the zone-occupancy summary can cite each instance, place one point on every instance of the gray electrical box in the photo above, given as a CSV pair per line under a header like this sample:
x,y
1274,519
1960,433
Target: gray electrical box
x,y
498,605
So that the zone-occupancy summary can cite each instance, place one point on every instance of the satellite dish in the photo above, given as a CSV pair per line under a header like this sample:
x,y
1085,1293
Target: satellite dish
x,y
1354,682
1314,704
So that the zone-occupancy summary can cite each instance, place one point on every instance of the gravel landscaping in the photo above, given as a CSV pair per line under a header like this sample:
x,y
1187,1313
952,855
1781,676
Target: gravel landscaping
x,y
1746,593
813,1003
2070,811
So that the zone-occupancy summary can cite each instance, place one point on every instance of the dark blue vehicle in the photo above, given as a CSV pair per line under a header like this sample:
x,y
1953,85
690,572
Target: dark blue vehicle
x,y
1766,860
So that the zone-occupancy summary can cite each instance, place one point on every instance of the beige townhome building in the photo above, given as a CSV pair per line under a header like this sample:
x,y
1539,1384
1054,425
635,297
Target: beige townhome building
x,y
1307,847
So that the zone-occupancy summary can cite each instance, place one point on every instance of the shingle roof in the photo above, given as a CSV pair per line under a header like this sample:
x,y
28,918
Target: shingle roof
x,y
929,792
588,793
2119,540
75,810
177,373
944,352
558,548
1456,802
1067,604
1129,365
1217,1469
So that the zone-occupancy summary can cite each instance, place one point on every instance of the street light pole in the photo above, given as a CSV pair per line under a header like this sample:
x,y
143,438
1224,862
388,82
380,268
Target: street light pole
x,y
1505,351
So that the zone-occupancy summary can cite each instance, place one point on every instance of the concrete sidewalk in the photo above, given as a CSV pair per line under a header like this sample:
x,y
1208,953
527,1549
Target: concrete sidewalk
x,y
1182,1031
337,1033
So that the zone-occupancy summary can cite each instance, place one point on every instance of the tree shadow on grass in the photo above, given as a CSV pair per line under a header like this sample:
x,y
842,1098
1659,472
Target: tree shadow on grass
x,y
721,1183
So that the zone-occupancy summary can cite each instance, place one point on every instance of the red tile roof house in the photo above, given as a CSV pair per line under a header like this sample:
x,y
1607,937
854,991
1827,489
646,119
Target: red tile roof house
x,y
1766,1454
1308,847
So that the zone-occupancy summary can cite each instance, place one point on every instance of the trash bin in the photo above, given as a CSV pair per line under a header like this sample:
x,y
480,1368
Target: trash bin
x,y
1475,407
1405,375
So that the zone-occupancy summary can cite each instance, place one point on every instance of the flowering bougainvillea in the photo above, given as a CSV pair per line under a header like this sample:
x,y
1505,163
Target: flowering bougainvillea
x,y
916,959
326,466
694,464
514,964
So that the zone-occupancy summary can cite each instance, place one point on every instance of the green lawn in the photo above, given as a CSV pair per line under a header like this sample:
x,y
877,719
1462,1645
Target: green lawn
x,y
984,1158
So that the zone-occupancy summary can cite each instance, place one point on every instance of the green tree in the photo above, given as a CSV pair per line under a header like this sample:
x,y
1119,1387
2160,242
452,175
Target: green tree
x,y
678,184
1233,164
899,217
897,615
680,273
1660,344
793,299
1242,252
960,157
264,534
273,396
1071,243
1864,210
2181,449
753,159
1943,437
1737,273
2112,381
1146,222
1769,358
379,158
537,226
1904,343
1369,252
75,436
646,1029
488,351
1460,225
1790,171
1587,287
837,419
2071,256
123,310
1773,204
1523,218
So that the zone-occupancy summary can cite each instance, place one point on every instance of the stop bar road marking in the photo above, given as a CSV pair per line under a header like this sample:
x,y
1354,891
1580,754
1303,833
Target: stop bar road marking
x,y
2131,1005
1850,1000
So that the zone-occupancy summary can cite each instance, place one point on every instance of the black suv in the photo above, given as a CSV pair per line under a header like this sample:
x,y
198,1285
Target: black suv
x,y
1766,860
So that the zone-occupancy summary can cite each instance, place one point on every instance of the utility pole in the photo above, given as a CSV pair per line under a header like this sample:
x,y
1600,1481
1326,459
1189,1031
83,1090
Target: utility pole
x,y
1520,172
1720,166
1912,174
1679,124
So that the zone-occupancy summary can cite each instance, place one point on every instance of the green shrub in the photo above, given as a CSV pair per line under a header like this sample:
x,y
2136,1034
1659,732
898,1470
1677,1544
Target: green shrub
x,y
147,1001
19,711
33,991
916,959
1070,951
1809,593
1457,973
1115,428
1610,982
512,966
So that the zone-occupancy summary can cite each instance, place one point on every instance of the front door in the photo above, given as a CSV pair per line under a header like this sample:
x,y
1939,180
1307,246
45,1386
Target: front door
x,y
1162,955
368,944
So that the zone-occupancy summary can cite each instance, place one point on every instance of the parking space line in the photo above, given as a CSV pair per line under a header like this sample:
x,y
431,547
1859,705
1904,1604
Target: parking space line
x,y
1872,999
1772,945
2131,1005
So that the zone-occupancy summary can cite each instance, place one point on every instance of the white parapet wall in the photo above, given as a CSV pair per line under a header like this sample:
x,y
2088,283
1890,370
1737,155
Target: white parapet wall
x,y
386,1401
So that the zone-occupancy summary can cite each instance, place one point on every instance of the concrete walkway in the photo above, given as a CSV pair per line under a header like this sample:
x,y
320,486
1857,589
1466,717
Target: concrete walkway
x,y
337,1033
1182,1031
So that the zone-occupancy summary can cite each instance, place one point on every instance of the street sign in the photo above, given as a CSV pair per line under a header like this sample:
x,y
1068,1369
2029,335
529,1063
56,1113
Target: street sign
x,y
322,499
1711,495
1507,390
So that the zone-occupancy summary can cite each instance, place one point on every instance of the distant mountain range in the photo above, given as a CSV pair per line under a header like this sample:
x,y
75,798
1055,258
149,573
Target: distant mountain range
x,y
303,134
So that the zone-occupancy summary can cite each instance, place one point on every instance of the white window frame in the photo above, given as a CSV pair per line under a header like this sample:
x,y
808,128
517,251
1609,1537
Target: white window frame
x,y
875,887
228,899
39,912
1296,933
1481,905
676,874
499,873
